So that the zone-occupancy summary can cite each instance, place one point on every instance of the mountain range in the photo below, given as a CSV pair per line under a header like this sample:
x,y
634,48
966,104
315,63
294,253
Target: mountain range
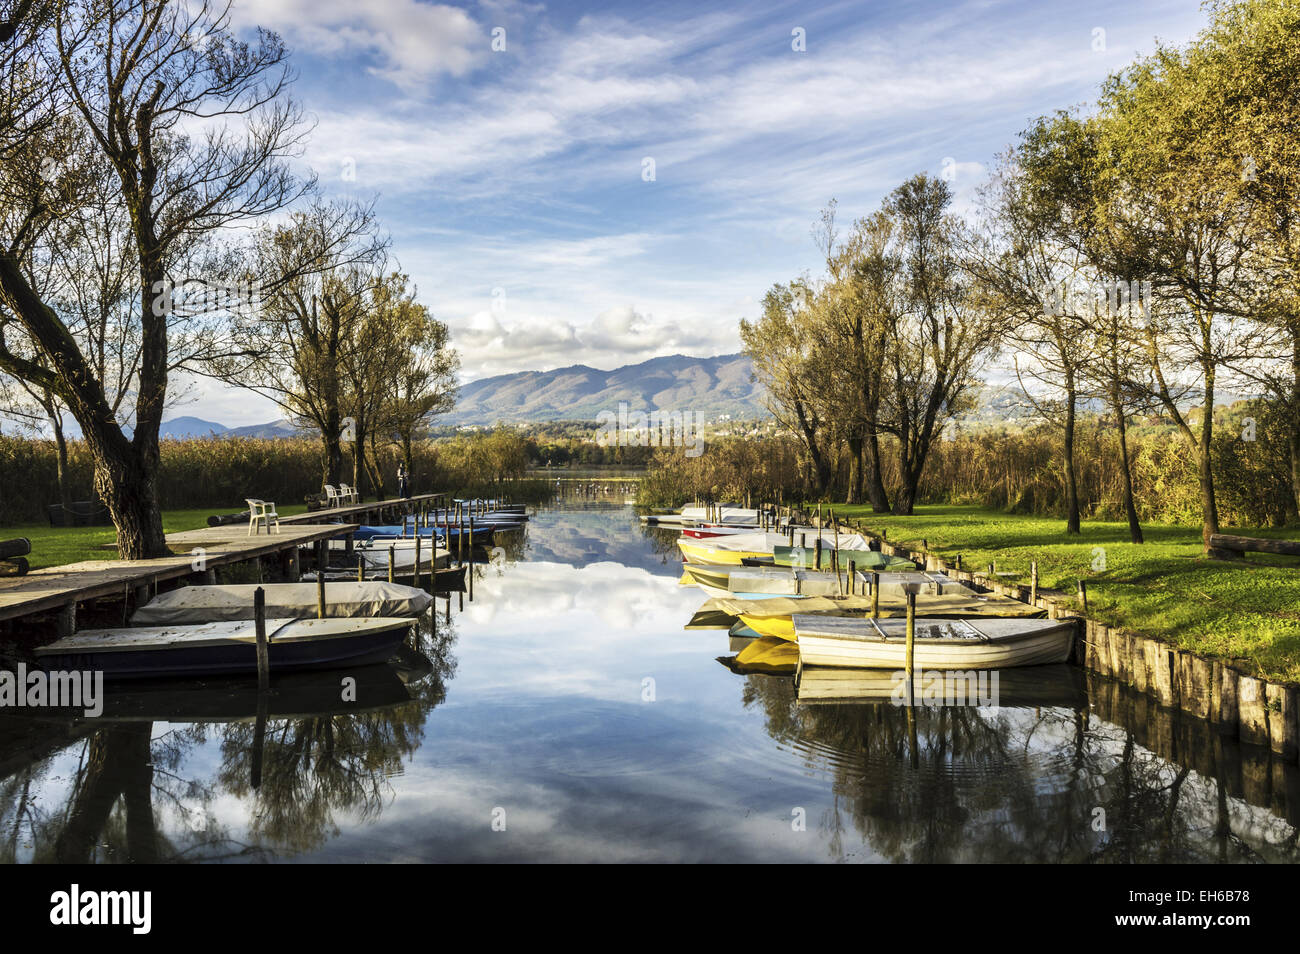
x,y
709,387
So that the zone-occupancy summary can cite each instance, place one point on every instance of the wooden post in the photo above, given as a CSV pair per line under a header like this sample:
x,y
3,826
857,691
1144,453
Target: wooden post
x,y
361,568
875,594
1083,594
417,556
392,562
853,577
911,636
66,623
320,594
835,568
1033,582
263,647
818,548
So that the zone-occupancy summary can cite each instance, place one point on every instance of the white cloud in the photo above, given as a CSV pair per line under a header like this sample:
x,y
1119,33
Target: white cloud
x,y
407,42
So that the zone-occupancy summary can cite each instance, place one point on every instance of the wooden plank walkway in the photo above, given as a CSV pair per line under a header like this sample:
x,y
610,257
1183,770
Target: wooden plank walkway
x,y
61,587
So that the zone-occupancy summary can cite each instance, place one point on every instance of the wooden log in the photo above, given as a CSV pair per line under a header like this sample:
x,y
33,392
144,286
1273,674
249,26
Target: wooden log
x,y
1281,713
1138,672
1235,544
1165,687
1193,677
1252,702
18,546
14,566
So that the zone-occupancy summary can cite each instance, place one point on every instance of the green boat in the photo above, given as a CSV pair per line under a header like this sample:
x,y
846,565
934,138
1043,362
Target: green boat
x,y
861,559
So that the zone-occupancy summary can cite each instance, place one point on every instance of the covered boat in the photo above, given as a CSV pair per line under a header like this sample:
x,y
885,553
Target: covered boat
x,y
226,647
939,644
209,604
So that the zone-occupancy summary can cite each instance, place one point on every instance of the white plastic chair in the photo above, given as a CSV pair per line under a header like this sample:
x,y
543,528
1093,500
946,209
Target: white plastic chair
x,y
263,512
332,497
348,494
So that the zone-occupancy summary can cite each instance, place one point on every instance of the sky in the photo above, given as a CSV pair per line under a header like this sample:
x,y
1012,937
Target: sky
x,y
572,184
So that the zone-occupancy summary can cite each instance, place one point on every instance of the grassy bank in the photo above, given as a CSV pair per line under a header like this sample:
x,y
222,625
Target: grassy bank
x,y
54,546
1246,611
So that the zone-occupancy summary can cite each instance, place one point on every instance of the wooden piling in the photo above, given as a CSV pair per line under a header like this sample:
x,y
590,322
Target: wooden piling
x,y
1033,583
263,646
320,594
911,635
392,563
875,594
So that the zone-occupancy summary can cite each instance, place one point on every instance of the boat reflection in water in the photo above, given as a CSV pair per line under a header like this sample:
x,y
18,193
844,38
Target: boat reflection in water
x,y
317,745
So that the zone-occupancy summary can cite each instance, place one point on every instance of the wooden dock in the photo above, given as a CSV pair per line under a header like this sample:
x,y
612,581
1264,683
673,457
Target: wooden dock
x,y
360,513
198,552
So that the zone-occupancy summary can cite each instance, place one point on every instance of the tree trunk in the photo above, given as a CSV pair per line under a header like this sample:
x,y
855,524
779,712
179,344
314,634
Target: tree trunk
x,y
875,479
909,479
1126,473
1071,476
128,486
1205,465
856,463
1295,413
359,476
61,459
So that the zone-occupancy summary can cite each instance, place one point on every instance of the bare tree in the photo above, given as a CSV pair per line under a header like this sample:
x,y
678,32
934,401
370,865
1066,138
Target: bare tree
x,y
197,128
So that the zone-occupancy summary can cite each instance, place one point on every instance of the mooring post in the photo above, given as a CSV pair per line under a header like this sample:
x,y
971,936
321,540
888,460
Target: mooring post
x,y
1033,582
818,563
417,556
853,578
263,647
361,568
875,594
911,635
1083,594
66,624
320,594
392,563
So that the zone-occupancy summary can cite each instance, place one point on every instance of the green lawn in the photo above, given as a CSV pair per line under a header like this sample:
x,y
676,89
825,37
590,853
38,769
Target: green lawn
x,y
53,546
1247,611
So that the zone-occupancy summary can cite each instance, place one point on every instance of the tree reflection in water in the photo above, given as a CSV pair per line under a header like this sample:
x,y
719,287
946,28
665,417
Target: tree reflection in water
x,y
129,801
1022,785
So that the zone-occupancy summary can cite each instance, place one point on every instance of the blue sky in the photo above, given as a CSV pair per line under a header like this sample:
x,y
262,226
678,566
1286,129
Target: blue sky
x,y
512,181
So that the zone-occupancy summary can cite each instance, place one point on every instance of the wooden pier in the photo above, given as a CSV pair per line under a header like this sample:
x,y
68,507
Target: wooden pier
x,y
198,553
361,512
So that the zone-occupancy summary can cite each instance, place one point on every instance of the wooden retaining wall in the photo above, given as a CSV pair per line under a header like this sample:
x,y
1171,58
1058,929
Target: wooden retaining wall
x,y
1246,708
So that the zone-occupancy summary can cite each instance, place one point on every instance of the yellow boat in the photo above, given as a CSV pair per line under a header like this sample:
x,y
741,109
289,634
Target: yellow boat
x,y
775,656
702,552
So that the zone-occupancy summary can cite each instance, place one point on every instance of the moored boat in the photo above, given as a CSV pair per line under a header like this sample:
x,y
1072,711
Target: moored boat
x,y
226,647
189,605
939,644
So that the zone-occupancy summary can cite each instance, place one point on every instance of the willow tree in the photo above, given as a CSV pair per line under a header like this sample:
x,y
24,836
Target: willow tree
x,y
789,365
941,334
1166,213
854,311
1043,290
196,128
1247,65
295,346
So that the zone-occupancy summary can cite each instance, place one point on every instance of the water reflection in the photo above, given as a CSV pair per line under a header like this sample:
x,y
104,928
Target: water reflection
x,y
141,785
566,694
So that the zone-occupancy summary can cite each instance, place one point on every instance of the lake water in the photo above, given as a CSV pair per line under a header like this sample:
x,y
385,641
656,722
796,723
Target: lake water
x,y
564,714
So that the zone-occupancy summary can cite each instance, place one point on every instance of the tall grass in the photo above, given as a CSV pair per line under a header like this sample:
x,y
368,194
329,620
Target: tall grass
x,y
219,473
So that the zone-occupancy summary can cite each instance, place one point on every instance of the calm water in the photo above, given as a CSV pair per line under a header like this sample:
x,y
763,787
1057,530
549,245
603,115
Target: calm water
x,y
563,714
